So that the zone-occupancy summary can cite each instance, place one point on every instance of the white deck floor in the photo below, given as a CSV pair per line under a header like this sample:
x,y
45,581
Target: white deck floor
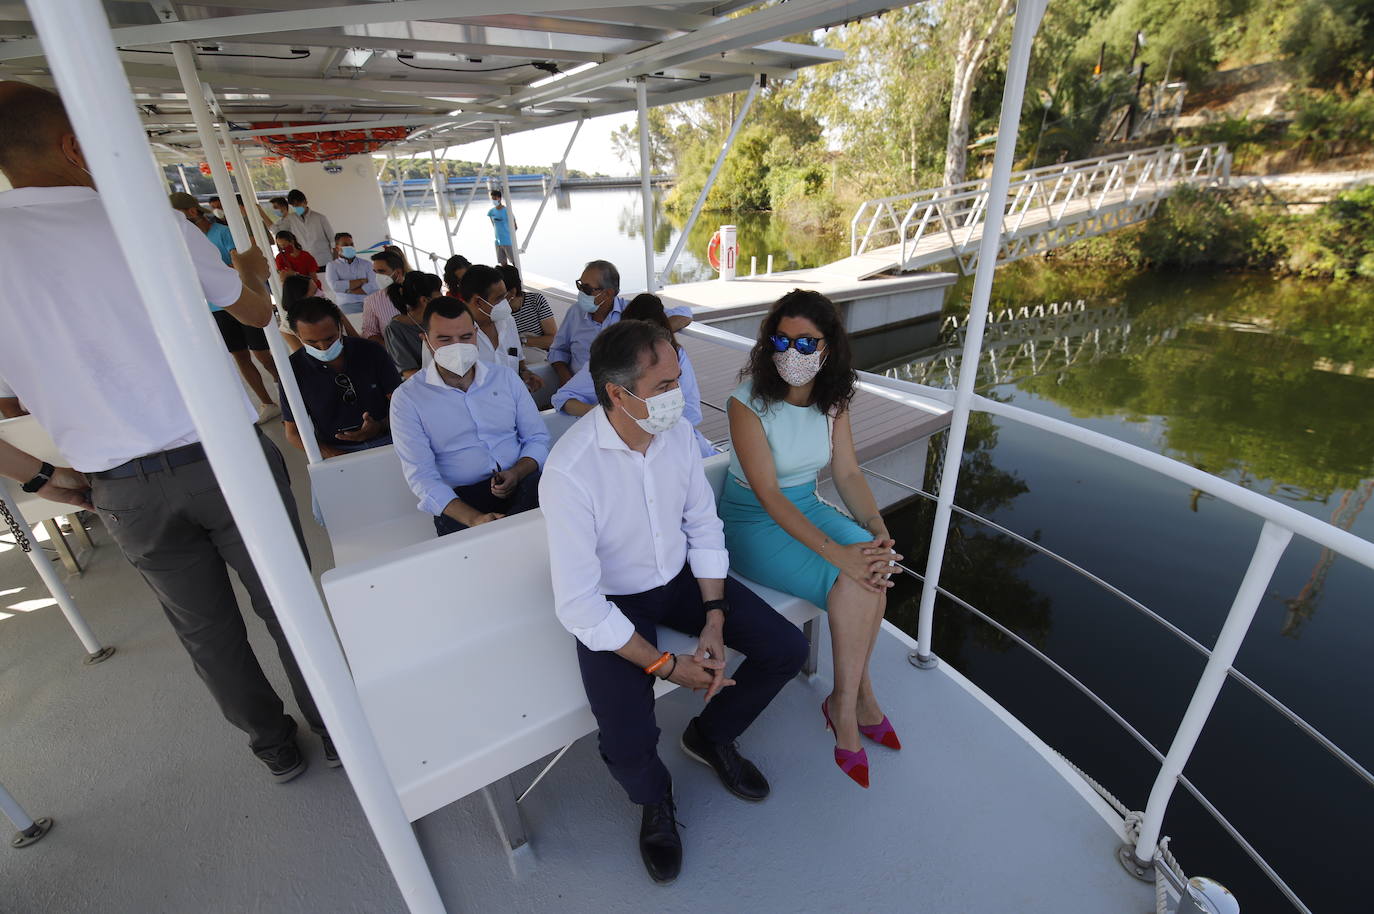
x,y
160,807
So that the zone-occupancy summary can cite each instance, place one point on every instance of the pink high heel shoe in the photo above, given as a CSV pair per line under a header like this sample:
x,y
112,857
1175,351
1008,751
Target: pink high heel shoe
x,y
854,764
883,733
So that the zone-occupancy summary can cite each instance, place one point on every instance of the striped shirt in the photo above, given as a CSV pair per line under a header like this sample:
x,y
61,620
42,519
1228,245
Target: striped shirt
x,y
529,320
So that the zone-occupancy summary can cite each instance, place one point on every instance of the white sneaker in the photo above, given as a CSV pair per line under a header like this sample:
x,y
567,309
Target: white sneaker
x,y
268,411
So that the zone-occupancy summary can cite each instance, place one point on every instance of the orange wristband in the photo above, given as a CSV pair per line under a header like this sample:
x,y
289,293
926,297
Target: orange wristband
x,y
654,667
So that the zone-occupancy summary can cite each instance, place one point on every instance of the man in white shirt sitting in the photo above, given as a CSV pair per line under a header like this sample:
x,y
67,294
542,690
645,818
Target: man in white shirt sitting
x,y
635,542
467,432
350,277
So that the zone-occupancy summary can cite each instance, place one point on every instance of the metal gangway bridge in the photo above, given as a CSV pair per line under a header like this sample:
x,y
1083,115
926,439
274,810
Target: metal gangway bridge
x,y
1046,208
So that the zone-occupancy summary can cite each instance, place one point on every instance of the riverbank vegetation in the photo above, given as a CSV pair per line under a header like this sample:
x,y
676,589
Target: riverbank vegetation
x,y
1240,230
920,88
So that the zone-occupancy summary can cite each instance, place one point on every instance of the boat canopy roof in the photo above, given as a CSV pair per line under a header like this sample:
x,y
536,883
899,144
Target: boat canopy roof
x,y
447,79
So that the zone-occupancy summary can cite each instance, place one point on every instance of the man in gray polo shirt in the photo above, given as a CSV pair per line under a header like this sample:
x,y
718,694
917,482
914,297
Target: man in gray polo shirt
x,y
89,368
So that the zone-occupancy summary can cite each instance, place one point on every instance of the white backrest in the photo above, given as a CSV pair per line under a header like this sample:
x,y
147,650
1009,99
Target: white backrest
x,y
367,490
25,433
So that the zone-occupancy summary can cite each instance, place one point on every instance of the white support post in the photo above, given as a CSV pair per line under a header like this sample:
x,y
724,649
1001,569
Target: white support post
x,y
94,651
441,196
1028,15
405,207
75,36
200,113
505,194
646,192
13,811
476,185
1273,540
281,355
553,185
185,181
711,182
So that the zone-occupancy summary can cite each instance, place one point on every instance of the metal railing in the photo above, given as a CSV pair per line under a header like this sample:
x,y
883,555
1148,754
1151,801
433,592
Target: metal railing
x,y
1281,522
1046,207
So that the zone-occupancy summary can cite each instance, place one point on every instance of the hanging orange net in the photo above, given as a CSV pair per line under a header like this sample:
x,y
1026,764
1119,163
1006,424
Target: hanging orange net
x,y
335,144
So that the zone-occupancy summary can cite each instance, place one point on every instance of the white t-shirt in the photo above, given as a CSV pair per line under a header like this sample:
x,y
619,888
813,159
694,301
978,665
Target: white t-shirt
x,y
78,347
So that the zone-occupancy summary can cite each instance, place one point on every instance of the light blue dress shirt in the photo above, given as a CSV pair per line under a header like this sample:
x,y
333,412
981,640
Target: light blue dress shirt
x,y
446,437
572,344
581,388
340,272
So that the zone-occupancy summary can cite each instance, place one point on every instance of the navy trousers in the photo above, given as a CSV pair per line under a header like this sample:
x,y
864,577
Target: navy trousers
x,y
524,498
622,695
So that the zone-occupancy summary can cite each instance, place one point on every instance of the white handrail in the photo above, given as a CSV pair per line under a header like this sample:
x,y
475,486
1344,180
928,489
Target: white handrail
x,y
1112,180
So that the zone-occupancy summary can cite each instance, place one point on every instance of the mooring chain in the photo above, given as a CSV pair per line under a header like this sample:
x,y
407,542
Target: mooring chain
x,y
18,534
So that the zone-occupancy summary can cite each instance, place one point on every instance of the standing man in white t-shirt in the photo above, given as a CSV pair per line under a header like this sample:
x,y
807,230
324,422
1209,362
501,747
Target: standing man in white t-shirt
x,y
89,367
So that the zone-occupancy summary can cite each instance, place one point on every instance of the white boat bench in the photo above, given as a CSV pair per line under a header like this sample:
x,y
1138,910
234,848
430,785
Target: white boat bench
x,y
25,433
464,672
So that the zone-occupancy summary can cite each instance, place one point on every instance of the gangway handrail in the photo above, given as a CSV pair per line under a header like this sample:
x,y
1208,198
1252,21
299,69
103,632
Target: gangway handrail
x,y
1132,181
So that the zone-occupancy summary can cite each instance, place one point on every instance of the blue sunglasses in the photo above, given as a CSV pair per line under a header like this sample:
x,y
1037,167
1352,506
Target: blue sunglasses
x,y
806,345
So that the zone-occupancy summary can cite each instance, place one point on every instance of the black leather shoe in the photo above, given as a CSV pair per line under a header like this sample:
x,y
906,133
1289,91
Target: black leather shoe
x,y
737,773
659,842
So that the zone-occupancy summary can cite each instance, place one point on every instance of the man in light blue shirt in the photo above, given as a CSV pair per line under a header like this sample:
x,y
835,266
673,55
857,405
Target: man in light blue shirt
x,y
469,437
351,278
598,306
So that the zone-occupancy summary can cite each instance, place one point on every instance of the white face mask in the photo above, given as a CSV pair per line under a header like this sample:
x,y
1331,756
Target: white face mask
x,y
797,369
383,280
456,357
665,410
219,214
501,311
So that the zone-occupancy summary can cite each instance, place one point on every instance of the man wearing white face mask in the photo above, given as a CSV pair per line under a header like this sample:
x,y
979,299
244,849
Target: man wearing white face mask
x,y
599,305
388,268
467,432
483,289
634,543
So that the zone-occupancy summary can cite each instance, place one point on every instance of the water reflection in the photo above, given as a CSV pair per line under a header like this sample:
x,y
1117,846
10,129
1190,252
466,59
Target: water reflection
x,y
1264,383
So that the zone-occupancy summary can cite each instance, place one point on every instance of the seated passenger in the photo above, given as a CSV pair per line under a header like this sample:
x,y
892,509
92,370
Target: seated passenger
x,y
345,381
388,268
467,432
350,277
598,306
533,316
578,396
629,511
484,292
454,268
405,340
292,261
788,420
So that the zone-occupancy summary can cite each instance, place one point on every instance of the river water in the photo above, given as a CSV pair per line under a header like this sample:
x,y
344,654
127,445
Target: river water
x,y
1264,383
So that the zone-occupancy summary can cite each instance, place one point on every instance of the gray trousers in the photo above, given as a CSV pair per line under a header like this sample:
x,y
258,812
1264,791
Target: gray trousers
x,y
173,526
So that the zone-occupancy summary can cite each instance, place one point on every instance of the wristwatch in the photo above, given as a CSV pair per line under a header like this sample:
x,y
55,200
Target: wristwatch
x,y
717,604
44,474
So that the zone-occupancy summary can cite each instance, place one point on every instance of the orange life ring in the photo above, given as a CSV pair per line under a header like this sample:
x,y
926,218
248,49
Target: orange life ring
x,y
713,252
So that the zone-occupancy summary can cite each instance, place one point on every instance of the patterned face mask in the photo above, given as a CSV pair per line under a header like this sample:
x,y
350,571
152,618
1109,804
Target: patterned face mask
x,y
665,410
798,369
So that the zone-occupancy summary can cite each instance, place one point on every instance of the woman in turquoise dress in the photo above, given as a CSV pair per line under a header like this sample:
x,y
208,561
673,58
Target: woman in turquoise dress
x,y
789,418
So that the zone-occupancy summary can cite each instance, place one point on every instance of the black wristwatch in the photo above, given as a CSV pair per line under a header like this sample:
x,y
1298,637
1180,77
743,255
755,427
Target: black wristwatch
x,y
44,474
717,604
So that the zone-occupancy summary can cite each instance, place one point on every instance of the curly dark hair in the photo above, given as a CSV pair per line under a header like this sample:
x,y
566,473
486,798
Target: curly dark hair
x,y
834,385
